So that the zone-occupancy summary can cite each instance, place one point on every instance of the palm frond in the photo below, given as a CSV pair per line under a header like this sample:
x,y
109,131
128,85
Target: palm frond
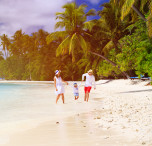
x,y
106,5
63,47
89,24
72,43
60,24
87,34
55,36
59,13
83,62
117,2
149,24
82,8
150,7
91,12
83,43
126,8
108,47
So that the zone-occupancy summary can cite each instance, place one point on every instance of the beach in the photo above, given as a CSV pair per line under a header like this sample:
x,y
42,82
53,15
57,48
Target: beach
x,y
119,113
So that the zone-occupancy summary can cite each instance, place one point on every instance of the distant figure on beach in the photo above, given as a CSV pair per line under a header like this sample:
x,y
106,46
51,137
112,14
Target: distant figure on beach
x,y
59,86
76,90
88,83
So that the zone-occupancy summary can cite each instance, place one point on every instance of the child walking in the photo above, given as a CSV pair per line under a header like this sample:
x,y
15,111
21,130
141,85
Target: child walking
x,y
76,90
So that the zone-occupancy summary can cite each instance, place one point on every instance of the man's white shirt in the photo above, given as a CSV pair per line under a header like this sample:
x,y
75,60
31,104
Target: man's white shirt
x,y
89,80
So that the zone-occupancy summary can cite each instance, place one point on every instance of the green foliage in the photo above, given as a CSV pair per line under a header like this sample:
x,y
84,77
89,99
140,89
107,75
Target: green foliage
x,y
108,70
135,55
136,51
12,68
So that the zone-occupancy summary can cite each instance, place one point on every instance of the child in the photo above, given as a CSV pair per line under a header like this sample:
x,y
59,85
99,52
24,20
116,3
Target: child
x,y
76,90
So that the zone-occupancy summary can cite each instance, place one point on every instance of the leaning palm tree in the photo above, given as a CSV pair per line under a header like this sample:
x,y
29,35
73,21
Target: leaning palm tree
x,y
72,20
130,4
108,31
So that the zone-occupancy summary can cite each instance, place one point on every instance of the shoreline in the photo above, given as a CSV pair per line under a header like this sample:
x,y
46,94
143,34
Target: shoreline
x,y
99,82
22,81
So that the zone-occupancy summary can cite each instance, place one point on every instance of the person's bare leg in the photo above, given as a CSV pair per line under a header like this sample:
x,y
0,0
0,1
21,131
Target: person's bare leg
x,y
87,96
76,97
57,98
62,98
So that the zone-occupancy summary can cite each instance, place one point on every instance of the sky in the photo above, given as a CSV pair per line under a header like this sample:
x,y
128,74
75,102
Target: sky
x,y
92,4
32,15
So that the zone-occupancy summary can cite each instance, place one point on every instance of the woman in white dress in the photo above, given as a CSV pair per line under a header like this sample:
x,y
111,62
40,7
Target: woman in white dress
x,y
59,86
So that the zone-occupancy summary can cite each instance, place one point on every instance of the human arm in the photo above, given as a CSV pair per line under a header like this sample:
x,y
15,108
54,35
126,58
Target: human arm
x,y
55,84
84,75
65,82
79,84
70,85
94,82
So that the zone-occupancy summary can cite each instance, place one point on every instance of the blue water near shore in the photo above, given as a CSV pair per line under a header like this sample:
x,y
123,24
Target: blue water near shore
x,y
23,101
10,91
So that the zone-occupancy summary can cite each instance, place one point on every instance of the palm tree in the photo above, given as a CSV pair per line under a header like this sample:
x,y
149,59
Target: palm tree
x,y
128,4
17,44
132,4
5,43
73,21
111,26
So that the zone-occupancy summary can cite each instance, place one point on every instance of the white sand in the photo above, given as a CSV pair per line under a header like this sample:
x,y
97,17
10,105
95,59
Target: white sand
x,y
128,106
119,113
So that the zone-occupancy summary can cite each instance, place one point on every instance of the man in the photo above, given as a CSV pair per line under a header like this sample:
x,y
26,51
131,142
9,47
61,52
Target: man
x,y
88,83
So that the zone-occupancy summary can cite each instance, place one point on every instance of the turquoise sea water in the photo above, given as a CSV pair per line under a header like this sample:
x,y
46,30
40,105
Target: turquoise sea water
x,y
9,91
24,101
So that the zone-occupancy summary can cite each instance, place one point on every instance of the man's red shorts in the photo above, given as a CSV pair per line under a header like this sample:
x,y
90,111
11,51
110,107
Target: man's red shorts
x,y
87,89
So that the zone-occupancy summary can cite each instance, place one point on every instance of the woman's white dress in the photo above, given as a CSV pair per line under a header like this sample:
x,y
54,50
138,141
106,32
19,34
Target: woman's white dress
x,y
59,86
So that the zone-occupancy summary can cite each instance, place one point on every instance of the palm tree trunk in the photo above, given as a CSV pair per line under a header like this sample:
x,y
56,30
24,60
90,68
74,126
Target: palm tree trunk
x,y
139,13
7,51
30,71
4,49
111,62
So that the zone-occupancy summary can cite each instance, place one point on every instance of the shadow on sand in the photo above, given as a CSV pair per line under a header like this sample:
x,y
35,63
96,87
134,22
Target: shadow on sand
x,y
137,91
105,82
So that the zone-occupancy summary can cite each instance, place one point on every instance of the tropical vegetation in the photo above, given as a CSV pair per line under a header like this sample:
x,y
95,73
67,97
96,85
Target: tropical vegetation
x,y
117,45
